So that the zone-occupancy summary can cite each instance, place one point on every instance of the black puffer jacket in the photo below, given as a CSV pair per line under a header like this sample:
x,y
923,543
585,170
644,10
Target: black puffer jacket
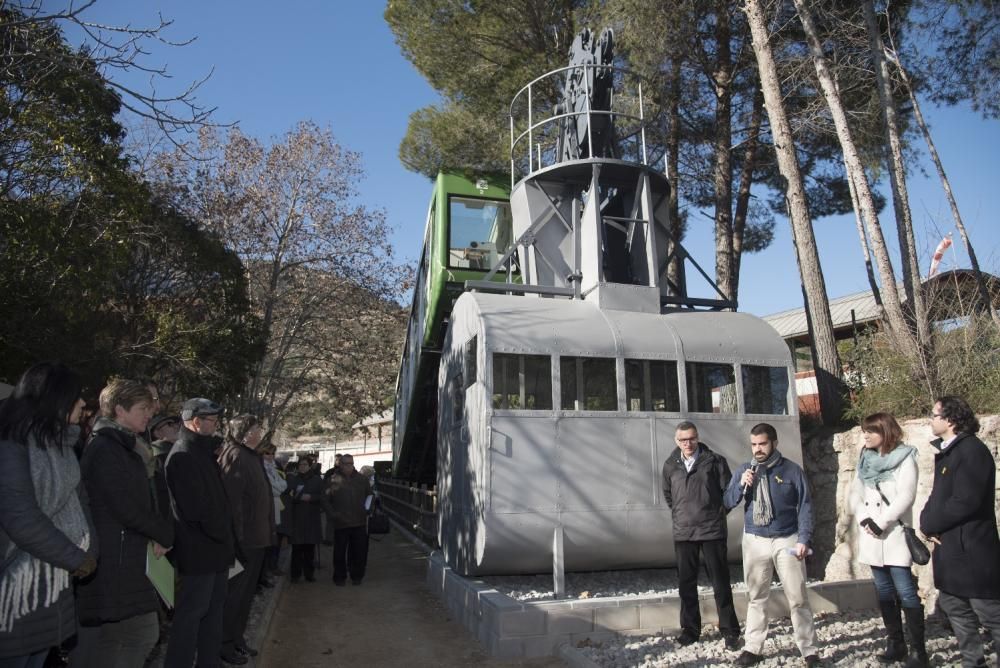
x,y
960,510
695,498
25,526
203,522
125,518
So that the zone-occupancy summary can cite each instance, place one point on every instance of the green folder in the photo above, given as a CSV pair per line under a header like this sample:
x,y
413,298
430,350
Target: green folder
x,y
161,573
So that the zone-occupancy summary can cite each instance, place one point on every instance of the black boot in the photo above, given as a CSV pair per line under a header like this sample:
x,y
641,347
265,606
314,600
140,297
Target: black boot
x,y
896,648
915,629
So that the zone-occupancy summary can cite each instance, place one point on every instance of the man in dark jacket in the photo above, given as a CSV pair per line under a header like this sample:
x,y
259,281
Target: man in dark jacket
x,y
305,496
117,606
203,548
694,479
959,518
348,493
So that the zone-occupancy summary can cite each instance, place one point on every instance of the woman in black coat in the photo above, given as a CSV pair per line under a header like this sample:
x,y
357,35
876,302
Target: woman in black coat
x,y
118,605
305,496
45,536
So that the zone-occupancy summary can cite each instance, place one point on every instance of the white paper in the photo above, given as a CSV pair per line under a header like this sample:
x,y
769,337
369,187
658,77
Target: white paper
x,y
368,502
235,569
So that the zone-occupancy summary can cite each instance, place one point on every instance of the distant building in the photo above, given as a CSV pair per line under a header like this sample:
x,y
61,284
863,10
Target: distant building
x,y
950,296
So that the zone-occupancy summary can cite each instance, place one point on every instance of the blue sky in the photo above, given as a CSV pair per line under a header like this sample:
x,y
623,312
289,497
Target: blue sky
x,y
336,62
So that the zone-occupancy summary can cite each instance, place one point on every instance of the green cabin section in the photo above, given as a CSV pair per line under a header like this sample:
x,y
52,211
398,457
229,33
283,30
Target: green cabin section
x,y
469,229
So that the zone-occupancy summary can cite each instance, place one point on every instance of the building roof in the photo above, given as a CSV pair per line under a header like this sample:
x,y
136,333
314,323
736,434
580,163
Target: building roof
x,y
946,292
374,419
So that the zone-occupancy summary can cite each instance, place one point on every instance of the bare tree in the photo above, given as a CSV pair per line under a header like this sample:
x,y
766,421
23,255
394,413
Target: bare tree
x,y
826,361
320,268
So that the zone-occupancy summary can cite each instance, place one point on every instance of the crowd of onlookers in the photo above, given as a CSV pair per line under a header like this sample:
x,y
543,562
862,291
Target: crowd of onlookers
x,y
91,501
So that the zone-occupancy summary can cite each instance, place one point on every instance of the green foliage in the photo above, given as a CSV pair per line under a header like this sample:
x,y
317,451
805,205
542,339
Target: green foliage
x,y
967,363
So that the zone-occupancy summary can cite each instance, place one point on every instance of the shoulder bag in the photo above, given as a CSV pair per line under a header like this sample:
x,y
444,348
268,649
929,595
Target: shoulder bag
x,y
918,550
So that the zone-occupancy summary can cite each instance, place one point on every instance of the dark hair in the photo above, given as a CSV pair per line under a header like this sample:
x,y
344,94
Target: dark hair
x,y
239,427
884,425
686,426
958,412
41,404
765,428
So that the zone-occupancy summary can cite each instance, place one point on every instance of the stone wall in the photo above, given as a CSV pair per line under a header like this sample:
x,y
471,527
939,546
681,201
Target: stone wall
x,y
830,461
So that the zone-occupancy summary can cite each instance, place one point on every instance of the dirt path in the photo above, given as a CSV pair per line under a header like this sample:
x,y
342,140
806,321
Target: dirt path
x,y
391,620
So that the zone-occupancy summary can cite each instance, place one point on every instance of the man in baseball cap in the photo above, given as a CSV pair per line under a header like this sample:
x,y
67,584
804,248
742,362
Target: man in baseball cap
x,y
204,546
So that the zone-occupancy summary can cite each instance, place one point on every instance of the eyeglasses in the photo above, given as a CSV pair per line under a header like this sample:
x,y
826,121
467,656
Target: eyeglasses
x,y
688,440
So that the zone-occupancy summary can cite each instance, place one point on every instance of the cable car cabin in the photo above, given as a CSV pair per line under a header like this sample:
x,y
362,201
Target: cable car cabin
x,y
468,230
559,414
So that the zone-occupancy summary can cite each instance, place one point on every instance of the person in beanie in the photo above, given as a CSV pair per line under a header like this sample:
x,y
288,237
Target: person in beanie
x,y
204,543
959,518
882,496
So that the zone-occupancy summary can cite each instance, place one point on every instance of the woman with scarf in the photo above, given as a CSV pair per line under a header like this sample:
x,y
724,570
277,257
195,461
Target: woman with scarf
x,y
45,535
882,498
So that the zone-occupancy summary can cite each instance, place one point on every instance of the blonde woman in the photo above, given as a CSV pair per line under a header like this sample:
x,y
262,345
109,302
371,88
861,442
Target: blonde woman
x,y
882,500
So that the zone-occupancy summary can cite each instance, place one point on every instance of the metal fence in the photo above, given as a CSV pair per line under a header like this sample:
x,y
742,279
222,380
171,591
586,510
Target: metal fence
x,y
414,506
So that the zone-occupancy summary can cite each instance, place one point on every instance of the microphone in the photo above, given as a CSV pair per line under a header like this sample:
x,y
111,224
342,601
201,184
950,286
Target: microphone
x,y
753,472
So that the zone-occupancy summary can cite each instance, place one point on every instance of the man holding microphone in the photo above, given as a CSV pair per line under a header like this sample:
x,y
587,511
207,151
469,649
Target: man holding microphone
x,y
778,526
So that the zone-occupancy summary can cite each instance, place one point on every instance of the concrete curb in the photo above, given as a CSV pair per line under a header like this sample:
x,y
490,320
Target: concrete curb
x,y
259,634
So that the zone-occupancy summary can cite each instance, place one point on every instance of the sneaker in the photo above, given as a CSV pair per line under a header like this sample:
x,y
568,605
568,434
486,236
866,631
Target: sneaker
x,y
812,660
686,638
234,659
748,659
732,642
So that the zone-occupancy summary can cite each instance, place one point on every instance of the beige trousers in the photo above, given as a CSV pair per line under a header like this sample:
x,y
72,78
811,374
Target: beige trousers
x,y
760,557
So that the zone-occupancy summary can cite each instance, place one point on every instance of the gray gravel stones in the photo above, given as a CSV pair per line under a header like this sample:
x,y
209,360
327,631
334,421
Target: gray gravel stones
x,y
846,639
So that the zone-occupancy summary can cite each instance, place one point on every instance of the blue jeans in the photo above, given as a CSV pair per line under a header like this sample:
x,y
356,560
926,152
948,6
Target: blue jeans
x,y
896,581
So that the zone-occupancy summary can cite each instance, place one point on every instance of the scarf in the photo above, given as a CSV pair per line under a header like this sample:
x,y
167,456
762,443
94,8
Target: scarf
x,y
763,509
26,582
875,468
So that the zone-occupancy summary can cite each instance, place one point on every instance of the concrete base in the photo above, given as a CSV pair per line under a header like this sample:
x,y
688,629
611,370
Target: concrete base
x,y
511,629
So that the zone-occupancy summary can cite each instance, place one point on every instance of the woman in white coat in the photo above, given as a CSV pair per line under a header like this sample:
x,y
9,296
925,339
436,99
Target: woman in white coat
x,y
882,500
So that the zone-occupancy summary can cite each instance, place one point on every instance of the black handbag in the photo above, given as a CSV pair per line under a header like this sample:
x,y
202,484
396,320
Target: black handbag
x,y
918,550
378,521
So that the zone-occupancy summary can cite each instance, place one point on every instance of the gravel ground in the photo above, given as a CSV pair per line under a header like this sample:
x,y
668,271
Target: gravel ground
x,y
604,584
845,639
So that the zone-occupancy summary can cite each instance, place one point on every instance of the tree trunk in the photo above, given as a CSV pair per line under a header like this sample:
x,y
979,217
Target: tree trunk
x,y
984,293
743,192
722,77
675,271
898,327
826,361
901,200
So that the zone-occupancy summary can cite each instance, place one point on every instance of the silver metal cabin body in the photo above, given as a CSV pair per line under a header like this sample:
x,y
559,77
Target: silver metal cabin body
x,y
559,397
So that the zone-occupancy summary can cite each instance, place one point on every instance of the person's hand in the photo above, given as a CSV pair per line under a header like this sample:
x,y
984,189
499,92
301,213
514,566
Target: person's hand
x,y
305,497
934,539
801,551
86,568
747,479
159,550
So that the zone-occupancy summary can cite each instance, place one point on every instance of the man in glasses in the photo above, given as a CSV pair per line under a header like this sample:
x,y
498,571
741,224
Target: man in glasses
x,y
694,479
204,547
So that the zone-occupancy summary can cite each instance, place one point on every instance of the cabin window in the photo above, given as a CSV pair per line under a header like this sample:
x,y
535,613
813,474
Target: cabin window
x,y
480,232
711,387
765,389
651,385
588,384
469,358
522,381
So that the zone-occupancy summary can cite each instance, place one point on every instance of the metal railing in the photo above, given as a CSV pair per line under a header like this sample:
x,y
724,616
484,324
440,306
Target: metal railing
x,y
538,140
413,506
